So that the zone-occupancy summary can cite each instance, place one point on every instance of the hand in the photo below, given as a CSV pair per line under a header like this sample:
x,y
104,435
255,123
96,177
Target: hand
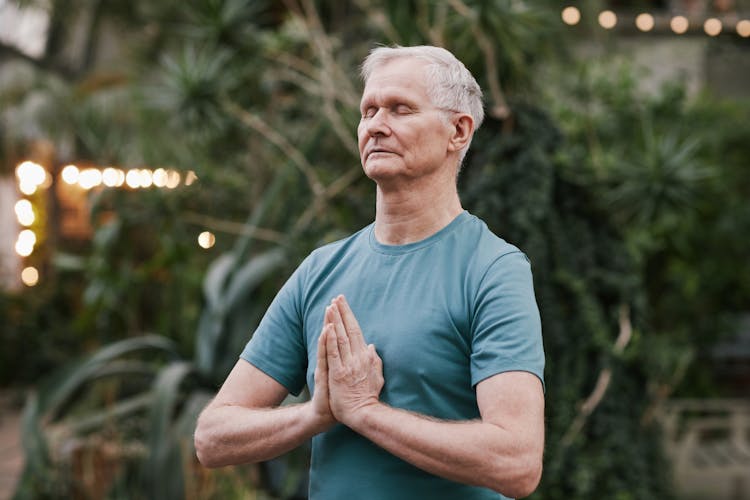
x,y
355,370
320,405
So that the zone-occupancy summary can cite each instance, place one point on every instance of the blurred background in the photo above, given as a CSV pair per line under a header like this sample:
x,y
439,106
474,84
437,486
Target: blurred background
x,y
165,165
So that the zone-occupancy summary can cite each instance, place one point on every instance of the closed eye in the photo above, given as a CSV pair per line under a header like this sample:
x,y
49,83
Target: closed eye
x,y
397,109
401,109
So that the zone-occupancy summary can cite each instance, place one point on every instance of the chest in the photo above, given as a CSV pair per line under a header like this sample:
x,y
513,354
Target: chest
x,y
419,322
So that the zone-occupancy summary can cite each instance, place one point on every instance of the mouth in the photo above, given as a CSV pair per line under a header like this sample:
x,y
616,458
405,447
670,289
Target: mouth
x,y
375,151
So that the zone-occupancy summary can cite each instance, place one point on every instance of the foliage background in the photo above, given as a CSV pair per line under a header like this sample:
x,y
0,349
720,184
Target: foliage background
x,y
630,205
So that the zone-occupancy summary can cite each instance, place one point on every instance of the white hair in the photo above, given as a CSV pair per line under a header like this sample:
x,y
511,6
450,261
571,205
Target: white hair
x,y
450,85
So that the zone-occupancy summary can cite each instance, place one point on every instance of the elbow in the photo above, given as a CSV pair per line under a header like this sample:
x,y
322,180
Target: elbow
x,y
529,482
207,448
203,448
524,480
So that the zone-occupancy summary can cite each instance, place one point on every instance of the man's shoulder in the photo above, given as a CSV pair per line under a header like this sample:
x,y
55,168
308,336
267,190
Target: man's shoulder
x,y
484,244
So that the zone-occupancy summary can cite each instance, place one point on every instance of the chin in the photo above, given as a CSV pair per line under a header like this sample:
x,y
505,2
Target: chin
x,y
377,169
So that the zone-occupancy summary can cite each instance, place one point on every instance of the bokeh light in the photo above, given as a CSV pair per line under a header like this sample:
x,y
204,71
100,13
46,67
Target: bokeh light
x,y
30,276
712,26
644,22
206,239
24,212
743,28
571,15
679,24
607,19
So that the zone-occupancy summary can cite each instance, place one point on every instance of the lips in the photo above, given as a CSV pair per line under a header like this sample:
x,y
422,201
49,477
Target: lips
x,y
379,150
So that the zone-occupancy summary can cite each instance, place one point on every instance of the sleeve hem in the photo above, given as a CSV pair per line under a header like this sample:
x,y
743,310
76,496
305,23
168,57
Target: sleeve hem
x,y
479,377
267,368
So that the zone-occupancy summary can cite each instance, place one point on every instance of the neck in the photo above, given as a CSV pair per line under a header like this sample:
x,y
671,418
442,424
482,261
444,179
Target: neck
x,y
412,213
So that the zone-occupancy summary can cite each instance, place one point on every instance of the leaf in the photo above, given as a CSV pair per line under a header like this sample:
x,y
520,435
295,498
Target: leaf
x,y
213,325
163,473
251,274
60,387
216,278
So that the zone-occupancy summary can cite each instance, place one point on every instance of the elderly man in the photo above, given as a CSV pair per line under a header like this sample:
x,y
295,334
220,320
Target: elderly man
x,y
419,335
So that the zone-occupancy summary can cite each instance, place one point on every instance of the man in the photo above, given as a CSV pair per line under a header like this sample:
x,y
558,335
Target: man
x,y
419,336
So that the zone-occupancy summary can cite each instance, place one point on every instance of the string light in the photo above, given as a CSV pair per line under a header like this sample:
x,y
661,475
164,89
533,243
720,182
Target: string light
x,y
110,177
90,178
571,15
133,178
173,179
31,172
712,26
70,174
24,212
160,177
206,239
190,178
607,19
679,24
743,28
644,22
146,179
30,276
25,243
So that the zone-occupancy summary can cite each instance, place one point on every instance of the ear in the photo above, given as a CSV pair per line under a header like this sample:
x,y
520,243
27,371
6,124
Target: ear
x,y
463,129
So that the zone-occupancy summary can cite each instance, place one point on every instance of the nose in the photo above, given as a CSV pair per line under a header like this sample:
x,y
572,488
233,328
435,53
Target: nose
x,y
378,123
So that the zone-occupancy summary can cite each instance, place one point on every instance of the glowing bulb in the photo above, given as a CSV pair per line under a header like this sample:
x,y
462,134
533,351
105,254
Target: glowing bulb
x,y
679,24
70,174
160,177
26,187
110,177
644,22
173,179
146,178
133,178
25,243
90,178
743,28
24,212
190,178
206,239
607,19
30,276
27,236
712,26
571,15
120,177
31,172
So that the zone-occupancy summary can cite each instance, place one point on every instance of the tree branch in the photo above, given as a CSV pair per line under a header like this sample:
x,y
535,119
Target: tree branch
x,y
231,227
602,381
500,110
259,125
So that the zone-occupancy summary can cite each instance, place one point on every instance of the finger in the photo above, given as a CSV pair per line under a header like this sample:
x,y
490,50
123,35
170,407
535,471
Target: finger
x,y
345,347
374,358
351,325
322,355
333,356
328,316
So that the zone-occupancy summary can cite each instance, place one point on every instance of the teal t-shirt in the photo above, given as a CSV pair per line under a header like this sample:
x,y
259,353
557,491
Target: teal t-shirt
x,y
444,313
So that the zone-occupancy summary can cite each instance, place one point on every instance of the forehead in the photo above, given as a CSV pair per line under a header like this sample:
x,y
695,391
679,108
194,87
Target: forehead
x,y
402,77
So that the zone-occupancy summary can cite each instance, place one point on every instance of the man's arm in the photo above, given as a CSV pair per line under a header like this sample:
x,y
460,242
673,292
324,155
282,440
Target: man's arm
x,y
244,422
502,451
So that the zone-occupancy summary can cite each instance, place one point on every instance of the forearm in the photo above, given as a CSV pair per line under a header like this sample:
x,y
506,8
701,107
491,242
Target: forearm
x,y
228,434
470,452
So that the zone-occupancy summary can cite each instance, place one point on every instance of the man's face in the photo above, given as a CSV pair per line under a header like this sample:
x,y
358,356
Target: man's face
x,y
401,133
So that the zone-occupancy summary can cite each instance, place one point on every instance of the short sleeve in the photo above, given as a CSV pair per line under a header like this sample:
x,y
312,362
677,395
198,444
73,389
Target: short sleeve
x,y
277,347
506,327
